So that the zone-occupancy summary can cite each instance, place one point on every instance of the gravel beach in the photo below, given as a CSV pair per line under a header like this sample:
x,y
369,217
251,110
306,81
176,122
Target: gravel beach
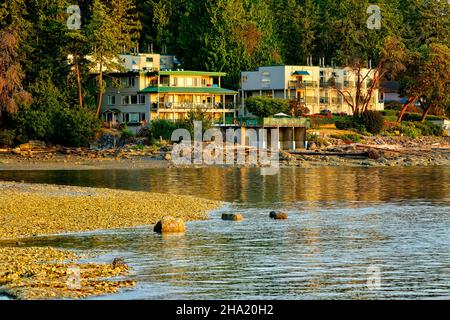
x,y
28,210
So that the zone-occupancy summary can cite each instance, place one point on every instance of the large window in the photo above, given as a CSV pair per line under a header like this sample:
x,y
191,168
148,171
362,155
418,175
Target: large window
x,y
128,82
133,99
111,100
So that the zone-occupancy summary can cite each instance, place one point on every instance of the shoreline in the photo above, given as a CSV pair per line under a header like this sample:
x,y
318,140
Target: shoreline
x,y
375,151
29,210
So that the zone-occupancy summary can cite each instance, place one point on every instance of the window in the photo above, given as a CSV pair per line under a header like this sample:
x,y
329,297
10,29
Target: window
x,y
244,78
134,99
203,82
175,81
148,59
141,99
131,82
134,117
195,82
125,100
111,100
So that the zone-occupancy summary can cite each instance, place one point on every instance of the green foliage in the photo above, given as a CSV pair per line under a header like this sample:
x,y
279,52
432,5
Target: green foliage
x,y
75,127
266,107
417,129
49,118
126,133
373,121
163,128
7,138
353,137
418,117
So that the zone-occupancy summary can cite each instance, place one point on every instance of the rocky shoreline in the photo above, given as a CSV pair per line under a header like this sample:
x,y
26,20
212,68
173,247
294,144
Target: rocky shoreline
x,y
42,272
370,151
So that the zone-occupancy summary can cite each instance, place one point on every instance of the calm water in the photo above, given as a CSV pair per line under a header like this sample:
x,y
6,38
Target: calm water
x,y
342,221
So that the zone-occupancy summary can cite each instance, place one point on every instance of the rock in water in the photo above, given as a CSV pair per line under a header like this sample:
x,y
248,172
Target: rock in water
x,y
119,263
169,224
232,216
278,215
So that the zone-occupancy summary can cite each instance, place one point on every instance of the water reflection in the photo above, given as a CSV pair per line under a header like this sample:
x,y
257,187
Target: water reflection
x,y
341,221
246,185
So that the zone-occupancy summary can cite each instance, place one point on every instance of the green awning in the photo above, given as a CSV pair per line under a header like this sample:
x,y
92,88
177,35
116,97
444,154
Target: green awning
x,y
301,73
207,90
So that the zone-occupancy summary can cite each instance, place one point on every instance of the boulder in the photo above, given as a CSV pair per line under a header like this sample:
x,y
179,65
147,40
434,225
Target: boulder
x,y
232,216
25,146
168,157
169,224
278,215
374,154
119,263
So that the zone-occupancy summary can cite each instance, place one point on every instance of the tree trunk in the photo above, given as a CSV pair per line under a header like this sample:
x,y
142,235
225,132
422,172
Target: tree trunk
x,y
100,90
425,112
78,75
404,108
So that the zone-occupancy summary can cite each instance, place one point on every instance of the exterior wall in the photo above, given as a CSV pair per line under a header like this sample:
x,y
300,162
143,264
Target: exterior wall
x,y
312,89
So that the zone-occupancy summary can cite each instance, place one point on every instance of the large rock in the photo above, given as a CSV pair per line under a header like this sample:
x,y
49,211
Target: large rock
x,y
232,216
169,224
278,215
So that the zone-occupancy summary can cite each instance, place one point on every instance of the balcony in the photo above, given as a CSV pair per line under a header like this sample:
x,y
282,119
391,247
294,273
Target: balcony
x,y
274,122
293,84
187,106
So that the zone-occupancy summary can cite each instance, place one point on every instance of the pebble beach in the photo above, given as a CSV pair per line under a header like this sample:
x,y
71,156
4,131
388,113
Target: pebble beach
x,y
31,210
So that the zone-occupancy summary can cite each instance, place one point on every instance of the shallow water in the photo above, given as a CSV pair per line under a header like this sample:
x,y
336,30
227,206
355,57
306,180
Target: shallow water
x,y
343,222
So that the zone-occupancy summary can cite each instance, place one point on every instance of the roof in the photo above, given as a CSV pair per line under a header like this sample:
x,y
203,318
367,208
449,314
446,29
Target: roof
x,y
301,73
192,73
209,90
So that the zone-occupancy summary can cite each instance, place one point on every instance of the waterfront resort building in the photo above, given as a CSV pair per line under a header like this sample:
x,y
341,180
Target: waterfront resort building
x,y
150,87
309,85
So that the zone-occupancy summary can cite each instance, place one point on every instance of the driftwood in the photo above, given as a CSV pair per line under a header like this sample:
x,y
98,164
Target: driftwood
x,y
329,154
365,146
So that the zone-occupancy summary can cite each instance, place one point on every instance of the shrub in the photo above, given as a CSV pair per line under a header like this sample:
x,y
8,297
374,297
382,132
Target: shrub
x,y
312,137
408,129
7,138
162,128
418,117
344,123
266,107
126,133
352,137
75,127
373,121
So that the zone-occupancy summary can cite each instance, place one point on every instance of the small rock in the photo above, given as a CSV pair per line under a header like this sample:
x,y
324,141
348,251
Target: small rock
x,y
169,224
167,157
374,154
118,263
278,215
232,216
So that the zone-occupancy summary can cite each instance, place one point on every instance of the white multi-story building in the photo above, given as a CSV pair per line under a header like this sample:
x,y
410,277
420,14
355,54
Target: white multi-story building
x,y
310,85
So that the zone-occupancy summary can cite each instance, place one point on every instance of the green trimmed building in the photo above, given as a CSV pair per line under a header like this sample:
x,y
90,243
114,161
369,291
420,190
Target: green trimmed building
x,y
143,94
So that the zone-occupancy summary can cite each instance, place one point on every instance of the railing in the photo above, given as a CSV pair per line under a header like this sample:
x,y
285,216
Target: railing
x,y
191,106
274,122
301,85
